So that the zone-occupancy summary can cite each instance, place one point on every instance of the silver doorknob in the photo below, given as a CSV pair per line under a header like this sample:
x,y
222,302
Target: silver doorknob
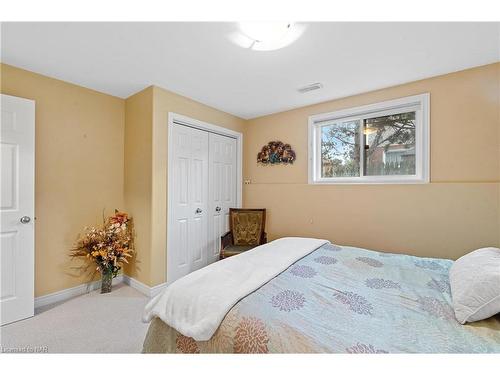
x,y
25,220
218,209
198,211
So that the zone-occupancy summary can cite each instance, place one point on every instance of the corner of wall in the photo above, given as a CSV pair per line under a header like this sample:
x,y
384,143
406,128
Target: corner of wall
x,y
137,176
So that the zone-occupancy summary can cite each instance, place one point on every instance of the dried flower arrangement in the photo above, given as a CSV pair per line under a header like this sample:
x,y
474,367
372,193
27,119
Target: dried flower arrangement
x,y
108,246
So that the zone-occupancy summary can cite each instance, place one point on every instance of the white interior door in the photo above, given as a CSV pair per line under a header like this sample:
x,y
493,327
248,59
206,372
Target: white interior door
x,y
188,203
17,209
222,189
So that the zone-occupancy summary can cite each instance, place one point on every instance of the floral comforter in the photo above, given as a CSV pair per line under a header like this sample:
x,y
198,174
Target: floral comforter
x,y
343,300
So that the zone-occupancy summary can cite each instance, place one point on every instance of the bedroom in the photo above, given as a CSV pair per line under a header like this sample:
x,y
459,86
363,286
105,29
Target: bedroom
x,y
250,187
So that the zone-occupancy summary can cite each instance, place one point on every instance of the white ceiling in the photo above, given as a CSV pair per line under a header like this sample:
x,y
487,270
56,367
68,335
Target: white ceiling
x,y
198,60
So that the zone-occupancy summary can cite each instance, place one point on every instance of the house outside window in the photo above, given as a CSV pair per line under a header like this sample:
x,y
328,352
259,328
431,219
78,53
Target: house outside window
x,y
385,142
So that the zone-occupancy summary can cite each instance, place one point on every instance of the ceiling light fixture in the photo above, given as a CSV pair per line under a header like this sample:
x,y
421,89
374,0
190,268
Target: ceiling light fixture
x,y
266,36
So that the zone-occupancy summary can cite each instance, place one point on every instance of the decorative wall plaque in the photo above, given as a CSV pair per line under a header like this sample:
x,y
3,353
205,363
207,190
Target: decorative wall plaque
x,y
276,152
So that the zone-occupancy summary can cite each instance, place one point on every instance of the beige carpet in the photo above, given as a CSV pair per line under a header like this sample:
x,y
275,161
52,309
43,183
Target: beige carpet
x,y
91,323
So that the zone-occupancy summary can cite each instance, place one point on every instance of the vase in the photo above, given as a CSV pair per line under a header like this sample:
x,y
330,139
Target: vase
x,y
106,281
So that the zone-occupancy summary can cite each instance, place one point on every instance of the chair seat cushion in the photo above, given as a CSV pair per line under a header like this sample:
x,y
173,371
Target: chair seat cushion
x,y
237,249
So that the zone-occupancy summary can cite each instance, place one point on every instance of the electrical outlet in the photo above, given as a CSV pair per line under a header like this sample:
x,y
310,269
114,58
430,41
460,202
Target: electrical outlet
x,y
247,182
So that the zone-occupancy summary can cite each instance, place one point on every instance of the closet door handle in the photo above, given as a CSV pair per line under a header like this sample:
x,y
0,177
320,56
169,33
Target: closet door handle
x,y
198,211
218,209
25,219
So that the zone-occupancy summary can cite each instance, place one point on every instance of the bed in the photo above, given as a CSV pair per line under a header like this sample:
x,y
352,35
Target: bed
x,y
340,299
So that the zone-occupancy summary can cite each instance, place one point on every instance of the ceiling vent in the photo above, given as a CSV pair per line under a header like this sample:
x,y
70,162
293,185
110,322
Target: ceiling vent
x,y
311,87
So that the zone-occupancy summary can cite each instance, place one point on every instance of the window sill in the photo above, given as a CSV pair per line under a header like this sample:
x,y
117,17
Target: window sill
x,y
371,181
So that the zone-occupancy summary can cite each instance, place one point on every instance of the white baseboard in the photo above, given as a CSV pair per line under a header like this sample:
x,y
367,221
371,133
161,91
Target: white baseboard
x,y
78,290
66,294
157,289
143,288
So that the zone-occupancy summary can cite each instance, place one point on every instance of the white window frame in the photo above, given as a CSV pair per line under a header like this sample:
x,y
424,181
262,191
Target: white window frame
x,y
418,103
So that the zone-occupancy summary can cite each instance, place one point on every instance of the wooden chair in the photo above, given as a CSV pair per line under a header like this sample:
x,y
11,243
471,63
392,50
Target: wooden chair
x,y
246,231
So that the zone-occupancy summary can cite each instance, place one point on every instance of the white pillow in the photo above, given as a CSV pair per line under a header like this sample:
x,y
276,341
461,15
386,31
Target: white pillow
x,y
475,285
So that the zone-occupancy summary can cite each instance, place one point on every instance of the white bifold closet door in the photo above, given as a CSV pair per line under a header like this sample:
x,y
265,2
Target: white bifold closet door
x,y
222,189
203,188
189,201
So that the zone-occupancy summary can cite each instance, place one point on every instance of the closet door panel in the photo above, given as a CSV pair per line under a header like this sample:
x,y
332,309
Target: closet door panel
x,y
222,189
229,161
216,220
179,260
214,238
215,198
199,199
183,249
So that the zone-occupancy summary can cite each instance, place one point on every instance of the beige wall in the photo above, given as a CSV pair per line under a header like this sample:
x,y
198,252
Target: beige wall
x,y
95,152
150,171
78,167
457,212
498,119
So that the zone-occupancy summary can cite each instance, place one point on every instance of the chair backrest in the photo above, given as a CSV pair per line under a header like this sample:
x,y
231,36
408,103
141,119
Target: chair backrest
x,y
247,225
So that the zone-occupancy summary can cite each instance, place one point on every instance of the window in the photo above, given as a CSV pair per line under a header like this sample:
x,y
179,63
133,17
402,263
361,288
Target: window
x,y
379,143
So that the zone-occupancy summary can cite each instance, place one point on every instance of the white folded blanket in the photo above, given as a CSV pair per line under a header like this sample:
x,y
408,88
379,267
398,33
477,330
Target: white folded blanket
x,y
196,304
